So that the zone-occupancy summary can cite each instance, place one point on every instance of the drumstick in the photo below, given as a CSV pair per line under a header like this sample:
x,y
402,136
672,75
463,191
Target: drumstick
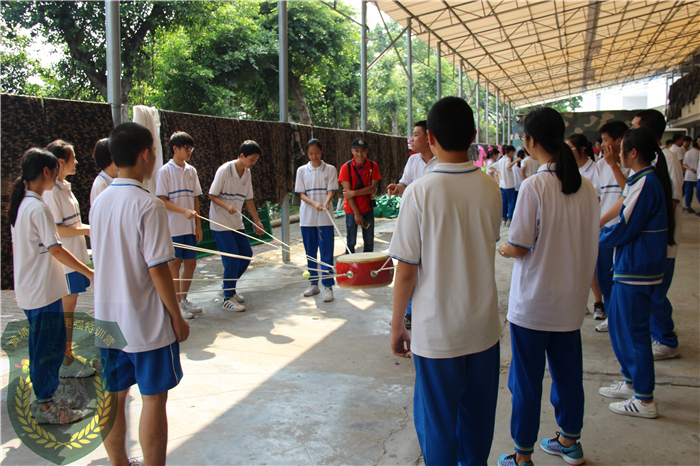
x,y
338,230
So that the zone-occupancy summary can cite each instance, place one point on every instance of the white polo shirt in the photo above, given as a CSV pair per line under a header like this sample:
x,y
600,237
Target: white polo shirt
x,y
506,179
180,185
66,212
517,176
233,190
679,151
549,285
589,171
531,166
129,235
675,172
39,278
315,183
607,189
489,166
691,159
102,180
416,168
448,225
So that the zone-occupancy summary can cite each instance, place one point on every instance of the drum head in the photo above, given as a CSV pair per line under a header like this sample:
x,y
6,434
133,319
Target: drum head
x,y
361,257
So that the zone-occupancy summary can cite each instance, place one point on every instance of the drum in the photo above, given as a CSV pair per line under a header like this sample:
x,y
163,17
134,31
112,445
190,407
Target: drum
x,y
363,270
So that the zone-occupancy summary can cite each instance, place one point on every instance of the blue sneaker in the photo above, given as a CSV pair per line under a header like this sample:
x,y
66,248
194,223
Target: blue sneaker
x,y
572,455
509,460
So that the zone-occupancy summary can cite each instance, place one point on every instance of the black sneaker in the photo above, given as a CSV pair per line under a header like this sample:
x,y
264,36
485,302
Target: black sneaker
x,y
407,321
689,210
599,311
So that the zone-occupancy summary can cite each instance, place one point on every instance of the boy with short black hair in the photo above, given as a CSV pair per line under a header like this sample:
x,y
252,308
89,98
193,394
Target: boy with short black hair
x,y
134,288
177,185
359,178
450,216
677,146
108,171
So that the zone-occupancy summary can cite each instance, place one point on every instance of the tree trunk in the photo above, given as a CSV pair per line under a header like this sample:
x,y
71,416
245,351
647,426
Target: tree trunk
x,y
353,122
295,86
395,122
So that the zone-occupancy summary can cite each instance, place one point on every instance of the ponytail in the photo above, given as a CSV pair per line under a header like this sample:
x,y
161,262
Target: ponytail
x,y
581,142
644,140
546,126
33,163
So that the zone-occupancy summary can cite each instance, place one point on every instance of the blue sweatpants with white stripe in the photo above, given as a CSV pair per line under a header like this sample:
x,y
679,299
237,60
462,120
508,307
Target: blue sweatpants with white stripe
x,y
47,345
630,335
604,273
563,351
232,243
662,310
454,407
316,238
507,203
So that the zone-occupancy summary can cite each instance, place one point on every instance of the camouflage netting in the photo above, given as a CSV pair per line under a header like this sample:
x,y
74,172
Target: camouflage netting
x,y
29,122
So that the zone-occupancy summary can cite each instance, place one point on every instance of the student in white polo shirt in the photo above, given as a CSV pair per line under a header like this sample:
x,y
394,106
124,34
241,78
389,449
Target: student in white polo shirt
x,y
40,282
134,289
66,213
554,240
609,184
677,146
690,164
316,183
108,171
506,181
447,228
232,186
529,166
518,172
419,164
585,158
177,185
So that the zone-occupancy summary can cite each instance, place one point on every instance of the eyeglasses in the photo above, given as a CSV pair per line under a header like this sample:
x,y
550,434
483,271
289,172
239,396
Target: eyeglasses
x,y
188,148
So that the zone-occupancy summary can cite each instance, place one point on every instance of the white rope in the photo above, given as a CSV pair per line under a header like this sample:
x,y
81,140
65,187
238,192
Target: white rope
x,y
259,286
338,230
237,256
238,279
382,267
289,249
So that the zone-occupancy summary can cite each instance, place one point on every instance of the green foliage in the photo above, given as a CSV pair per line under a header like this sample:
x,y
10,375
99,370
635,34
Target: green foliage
x,y
564,105
17,65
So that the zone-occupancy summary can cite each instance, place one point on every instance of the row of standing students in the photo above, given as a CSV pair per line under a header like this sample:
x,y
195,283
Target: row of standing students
x,y
556,234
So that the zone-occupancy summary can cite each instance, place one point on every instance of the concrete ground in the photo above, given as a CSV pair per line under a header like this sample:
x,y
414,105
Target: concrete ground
x,y
294,380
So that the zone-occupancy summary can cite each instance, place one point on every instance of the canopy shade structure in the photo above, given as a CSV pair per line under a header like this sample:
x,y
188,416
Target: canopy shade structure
x,y
538,51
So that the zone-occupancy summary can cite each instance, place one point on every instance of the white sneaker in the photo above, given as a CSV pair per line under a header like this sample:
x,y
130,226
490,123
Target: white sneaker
x,y
239,298
232,305
187,305
602,327
76,369
617,390
312,290
328,295
635,407
662,351
186,314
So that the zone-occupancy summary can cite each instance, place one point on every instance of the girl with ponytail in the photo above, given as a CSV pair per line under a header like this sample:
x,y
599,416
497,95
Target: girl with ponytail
x,y
554,240
39,280
585,158
640,239
66,214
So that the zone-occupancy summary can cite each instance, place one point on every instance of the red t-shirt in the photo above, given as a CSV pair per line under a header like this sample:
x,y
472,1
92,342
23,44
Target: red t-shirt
x,y
368,172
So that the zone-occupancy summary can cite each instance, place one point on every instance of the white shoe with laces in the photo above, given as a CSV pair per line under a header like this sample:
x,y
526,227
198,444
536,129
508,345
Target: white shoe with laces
x,y
602,327
312,290
635,407
328,295
232,305
617,390
239,298
662,351
188,305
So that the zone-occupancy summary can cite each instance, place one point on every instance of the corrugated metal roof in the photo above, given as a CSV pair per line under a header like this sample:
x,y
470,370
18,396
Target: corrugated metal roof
x,y
535,51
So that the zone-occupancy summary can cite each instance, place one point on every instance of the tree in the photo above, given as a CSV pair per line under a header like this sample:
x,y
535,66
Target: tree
x,y
17,66
569,104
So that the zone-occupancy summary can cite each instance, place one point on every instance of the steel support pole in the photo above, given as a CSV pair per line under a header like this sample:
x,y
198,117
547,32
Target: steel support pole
x,y
363,66
409,90
439,71
498,112
478,115
284,108
486,116
114,63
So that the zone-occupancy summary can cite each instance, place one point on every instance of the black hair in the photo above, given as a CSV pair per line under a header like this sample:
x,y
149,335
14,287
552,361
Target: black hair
x,y
582,143
653,120
249,147
422,124
101,154
644,140
677,137
180,139
314,142
451,120
508,149
669,141
695,144
61,149
493,151
546,127
521,154
127,141
599,140
615,129
33,163
688,139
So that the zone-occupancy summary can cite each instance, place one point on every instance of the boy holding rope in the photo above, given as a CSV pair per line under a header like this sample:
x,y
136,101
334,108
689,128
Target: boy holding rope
x,y
450,216
177,185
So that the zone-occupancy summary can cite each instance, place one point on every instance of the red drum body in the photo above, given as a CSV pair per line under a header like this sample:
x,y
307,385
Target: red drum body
x,y
363,270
